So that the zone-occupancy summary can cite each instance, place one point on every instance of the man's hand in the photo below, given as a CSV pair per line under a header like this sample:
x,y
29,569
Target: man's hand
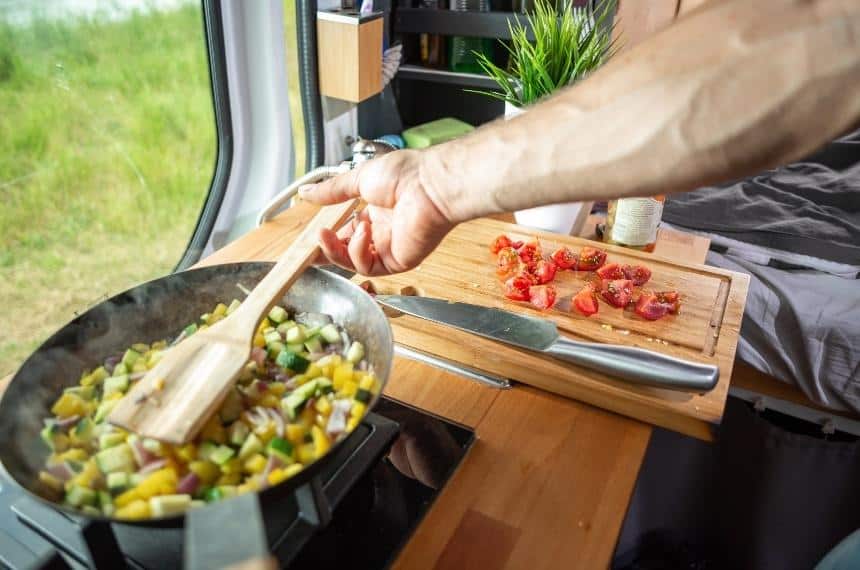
x,y
400,226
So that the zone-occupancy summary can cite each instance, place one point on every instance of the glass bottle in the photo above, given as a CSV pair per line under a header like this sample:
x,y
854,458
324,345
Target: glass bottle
x,y
461,52
633,222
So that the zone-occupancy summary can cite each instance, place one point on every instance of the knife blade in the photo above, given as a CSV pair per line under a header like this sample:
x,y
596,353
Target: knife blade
x,y
540,335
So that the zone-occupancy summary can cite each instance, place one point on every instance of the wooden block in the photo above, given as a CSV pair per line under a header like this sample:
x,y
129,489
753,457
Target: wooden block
x,y
349,51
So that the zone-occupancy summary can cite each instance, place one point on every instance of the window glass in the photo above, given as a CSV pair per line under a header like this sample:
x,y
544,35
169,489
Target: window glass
x,y
107,150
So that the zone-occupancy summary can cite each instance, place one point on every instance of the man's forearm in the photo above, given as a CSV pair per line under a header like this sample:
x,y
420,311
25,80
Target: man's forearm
x,y
726,92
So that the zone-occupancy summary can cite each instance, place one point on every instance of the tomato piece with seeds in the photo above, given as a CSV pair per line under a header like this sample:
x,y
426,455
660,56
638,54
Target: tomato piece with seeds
x,y
564,258
500,243
586,300
507,262
517,287
617,292
611,272
530,253
639,274
542,296
591,258
653,306
545,271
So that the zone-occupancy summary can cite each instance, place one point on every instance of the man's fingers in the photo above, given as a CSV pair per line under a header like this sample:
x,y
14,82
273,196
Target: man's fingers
x,y
333,190
359,249
335,250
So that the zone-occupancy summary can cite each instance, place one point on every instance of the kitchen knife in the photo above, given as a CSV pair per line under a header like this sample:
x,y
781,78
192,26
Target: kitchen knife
x,y
628,363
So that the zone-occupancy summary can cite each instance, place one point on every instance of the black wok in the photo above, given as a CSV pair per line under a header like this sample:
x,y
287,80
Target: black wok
x,y
157,310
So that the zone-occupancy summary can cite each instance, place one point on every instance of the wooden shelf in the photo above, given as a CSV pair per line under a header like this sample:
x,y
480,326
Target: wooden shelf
x,y
419,73
451,23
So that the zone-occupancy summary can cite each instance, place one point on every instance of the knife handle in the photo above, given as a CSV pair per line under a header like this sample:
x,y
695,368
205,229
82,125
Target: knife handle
x,y
638,365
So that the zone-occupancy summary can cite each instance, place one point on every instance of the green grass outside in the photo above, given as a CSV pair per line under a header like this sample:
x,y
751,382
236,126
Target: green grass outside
x,y
107,148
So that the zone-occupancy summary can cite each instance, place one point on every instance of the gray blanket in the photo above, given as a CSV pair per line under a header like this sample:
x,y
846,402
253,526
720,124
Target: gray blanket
x,y
796,231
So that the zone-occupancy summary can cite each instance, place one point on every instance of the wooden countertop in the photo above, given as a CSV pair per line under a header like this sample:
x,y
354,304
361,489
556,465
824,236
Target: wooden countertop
x,y
546,484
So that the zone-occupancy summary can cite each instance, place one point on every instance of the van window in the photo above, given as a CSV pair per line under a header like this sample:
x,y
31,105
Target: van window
x,y
107,151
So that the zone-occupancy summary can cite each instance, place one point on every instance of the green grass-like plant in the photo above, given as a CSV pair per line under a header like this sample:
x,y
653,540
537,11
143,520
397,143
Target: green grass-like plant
x,y
567,46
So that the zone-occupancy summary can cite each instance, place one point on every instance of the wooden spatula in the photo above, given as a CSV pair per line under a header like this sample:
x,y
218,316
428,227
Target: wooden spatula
x,y
173,401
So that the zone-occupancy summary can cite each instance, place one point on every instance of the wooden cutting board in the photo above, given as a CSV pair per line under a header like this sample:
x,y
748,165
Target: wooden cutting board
x,y
706,330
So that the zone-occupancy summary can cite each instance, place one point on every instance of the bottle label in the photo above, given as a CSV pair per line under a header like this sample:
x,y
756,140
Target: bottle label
x,y
636,221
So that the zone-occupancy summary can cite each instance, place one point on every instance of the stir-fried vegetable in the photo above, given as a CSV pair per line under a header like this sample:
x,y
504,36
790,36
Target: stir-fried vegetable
x,y
305,387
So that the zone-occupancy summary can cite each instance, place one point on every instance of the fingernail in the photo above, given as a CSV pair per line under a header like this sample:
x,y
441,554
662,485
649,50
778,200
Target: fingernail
x,y
306,189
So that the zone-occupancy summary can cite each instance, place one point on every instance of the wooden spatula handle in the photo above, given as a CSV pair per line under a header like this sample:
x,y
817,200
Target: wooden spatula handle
x,y
298,256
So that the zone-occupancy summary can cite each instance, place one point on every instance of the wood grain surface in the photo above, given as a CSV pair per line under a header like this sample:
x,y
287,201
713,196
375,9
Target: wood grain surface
x,y
706,330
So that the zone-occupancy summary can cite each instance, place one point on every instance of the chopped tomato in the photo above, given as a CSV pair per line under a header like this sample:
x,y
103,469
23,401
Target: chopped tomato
x,y
617,292
500,243
517,287
542,296
564,258
611,271
639,274
653,306
507,262
591,258
530,254
586,300
545,271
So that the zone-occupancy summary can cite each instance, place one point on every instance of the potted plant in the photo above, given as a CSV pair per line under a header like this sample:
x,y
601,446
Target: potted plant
x,y
567,46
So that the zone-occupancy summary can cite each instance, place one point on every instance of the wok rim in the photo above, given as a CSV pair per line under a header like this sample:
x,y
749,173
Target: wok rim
x,y
178,520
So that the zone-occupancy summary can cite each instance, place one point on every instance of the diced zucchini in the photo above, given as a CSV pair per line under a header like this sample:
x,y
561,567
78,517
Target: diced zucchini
x,y
274,349
213,494
85,392
190,329
130,357
324,386
206,449
282,449
330,333
272,336
136,479
310,331
222,454
107,440
285,326
227,491
278,314
115,384
47,434
293,404
355,352
118,482
121,369
296,347
104,409
117,458
153,446
231,408
363,395
166,505
238,433
91,511
78,496
293,361
295,335
251,446
83,430
95,377
195,504
105,499
314,344
234,304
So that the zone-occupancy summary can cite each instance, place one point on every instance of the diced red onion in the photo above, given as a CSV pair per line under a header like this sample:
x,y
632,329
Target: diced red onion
x,y
292,384
281,377
337,420
137,375
62,471
111,362
258,355
67,422
279,421
152,466
142,456
344,338
257,417
362,365
262,386
188,484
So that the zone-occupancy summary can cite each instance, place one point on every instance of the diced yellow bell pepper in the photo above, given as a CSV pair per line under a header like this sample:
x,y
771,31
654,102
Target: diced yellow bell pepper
x,y
61,442
95,377
248,486
229,479
259,340
321,421
265,432
295,433
264,324
205,470
159,345
306,453
214,431
255,464
135,510
323,406
368,382
50,481
313,370
358,409
187,452
277,388
349,389
342,374
87,476
321,441
307,417
270,401
161,482
232,466
74,454
352,423
220,309
292,469
300,379
70,405
284,473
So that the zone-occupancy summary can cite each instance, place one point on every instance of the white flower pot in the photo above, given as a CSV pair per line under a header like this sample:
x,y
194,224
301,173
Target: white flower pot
x,y
568,218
